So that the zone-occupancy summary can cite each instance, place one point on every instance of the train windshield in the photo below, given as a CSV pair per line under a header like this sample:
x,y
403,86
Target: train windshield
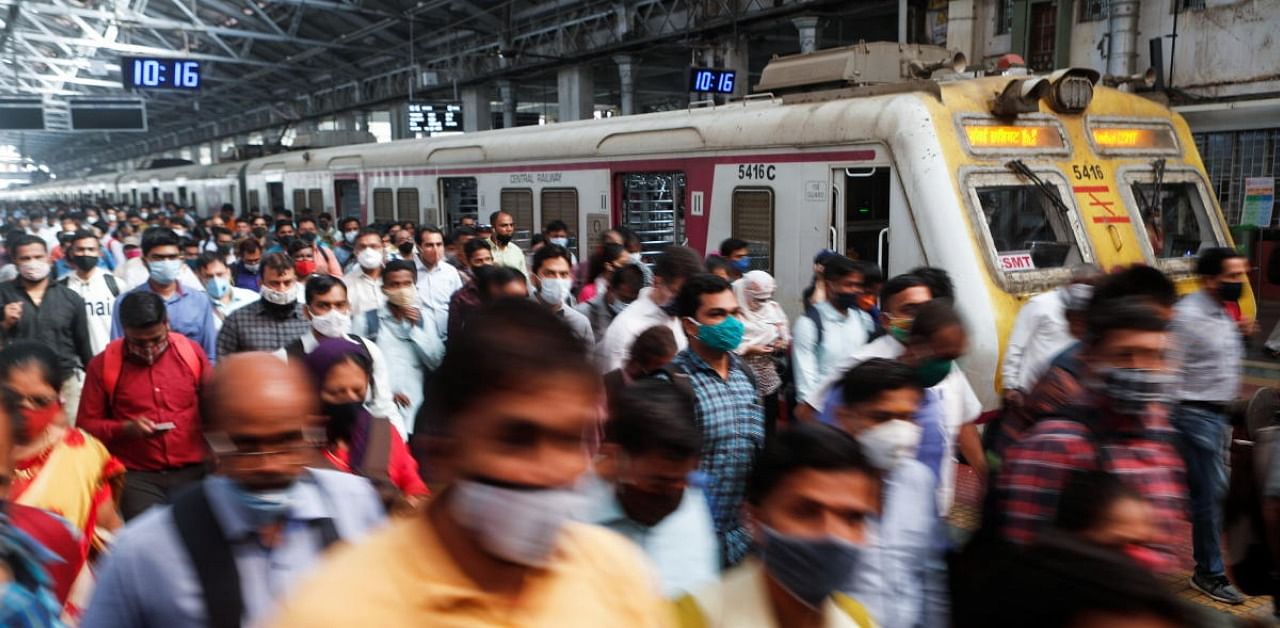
x,y
1028,225
1174,213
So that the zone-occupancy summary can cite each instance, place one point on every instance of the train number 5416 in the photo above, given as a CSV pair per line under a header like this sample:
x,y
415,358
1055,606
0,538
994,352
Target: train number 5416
x,y
757,171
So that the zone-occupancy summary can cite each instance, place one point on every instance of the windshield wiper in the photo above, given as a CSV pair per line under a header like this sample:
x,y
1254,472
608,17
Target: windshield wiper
x,y
1154,207
1049,191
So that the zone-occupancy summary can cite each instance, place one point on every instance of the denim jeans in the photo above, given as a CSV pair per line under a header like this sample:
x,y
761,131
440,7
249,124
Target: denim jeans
x,y
1203,441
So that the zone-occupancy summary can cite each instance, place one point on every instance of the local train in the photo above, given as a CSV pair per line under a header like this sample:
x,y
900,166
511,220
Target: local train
x,y
1004,181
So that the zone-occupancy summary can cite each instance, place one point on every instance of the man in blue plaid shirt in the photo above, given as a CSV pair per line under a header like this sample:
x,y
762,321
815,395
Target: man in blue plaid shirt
x,y
726,403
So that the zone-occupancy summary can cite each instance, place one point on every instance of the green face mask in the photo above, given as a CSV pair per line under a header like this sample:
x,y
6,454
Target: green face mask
x,y
931,372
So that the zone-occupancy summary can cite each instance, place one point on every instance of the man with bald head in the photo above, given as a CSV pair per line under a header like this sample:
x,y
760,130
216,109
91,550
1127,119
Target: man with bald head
x,y
223,553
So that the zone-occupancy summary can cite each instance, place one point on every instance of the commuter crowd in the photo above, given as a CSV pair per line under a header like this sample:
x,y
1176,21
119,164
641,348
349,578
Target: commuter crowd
x,y
270,419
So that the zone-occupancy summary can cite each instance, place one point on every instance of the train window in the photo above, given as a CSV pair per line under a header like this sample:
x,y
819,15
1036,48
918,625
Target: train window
x,y
753,222
653,207
384,209
519,203
407,205
460,197
299,200
1031,228
1175,215
562,204
347,195
182,196
315,199
168,197
146,198
254,200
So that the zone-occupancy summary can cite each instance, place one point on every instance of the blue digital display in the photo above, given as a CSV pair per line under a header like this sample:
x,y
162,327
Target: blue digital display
x,y
159,73
712,81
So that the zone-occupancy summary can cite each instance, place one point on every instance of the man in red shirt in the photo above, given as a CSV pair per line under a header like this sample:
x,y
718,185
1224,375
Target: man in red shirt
x,y
141,399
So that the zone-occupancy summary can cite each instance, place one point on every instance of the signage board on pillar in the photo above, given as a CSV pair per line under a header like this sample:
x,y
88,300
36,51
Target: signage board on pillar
x,y
435,118
712,80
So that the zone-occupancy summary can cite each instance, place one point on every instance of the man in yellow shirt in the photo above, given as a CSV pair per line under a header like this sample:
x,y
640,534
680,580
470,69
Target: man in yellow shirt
x,y
496,547
809,497
505,252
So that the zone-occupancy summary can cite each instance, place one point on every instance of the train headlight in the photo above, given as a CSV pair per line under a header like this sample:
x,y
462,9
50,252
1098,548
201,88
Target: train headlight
x,y
1071,90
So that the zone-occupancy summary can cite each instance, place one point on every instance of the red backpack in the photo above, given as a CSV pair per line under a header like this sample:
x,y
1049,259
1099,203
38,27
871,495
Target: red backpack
x,y
113,361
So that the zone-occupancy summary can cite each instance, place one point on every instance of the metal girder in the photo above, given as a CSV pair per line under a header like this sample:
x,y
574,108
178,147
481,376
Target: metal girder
x,y
146,50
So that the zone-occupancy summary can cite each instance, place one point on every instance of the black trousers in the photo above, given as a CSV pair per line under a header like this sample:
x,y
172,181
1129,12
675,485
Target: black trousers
x,y
144,489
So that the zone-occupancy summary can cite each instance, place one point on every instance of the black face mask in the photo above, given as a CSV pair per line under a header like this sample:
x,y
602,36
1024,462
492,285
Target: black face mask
x,y
502,239
259,232
1230,291
309,238
405,248
285,241
84,262
645,507
224,249
279,312
342,419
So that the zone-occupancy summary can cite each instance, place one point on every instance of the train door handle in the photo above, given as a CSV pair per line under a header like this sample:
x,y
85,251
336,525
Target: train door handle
x,y
834,234
882,245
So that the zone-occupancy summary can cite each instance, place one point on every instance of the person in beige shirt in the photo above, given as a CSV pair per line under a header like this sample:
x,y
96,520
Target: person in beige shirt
x,y
497,547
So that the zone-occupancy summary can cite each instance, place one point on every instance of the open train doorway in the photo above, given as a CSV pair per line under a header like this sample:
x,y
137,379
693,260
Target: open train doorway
x,y
653,207
347,195
860,213
275,194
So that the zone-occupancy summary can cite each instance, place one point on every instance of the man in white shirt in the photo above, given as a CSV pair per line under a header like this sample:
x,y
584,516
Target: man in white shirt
x,y
504,252
226,298
437,279
833,328
672,268
1040,332
364,280
552,282
95,285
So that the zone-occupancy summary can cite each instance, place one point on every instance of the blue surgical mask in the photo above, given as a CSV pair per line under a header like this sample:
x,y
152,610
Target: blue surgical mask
x,y
725,336
264,506
617,306
559,242
217,287
811,569
165,272
741,265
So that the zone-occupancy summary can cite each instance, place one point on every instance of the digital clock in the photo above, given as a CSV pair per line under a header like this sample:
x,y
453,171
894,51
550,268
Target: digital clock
x,y
159,73
712,81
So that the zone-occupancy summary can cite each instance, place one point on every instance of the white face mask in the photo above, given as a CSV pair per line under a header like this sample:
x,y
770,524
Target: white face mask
x,y
335,324
559,242
34,270
277,297
517,525
554,291
370,259
891,442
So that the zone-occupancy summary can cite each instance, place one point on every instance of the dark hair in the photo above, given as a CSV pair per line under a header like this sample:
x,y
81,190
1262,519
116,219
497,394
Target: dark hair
x,y
322,284
934,316
838,267
464,230
248,245
493,217
1211,261
871,273
428,229
490,277
140,308
1104,317
26,240
281,223
900,284
21,354
655,343
804,446
1087,497
158,236
474,245
690,297
629,275
870,379
607,253
278,262
729,245
654,416
555,225
83,234
549,252
507,344
938,280
342,224
205,259
217,231
297,245
399,265
307,218
715,262
1137,282
677,262
365,231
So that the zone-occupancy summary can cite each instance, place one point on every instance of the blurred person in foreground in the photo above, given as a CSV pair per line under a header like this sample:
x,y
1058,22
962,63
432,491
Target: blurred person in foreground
x,y
223,554
498,546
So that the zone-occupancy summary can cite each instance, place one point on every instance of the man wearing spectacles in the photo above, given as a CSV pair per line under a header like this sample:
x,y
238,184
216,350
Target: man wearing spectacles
x,y
246,536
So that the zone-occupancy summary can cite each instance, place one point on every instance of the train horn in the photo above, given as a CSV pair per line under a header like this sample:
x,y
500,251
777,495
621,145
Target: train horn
x,y
957,63
1143,79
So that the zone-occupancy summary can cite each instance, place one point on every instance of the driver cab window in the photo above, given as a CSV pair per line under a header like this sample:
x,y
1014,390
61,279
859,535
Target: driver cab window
x,y
1175,219
1028,226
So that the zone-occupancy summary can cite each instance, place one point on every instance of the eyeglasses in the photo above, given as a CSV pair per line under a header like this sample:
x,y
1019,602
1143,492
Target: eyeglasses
x,y
256,450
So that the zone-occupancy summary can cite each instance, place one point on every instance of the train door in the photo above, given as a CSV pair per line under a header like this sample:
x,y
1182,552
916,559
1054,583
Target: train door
x,y
346,193
519,203
275,194
182,195
860,213
653,207
459,196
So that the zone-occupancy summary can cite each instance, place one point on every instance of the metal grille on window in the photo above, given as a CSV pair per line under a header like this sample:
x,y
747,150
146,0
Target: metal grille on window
x,y
1229,157
1093,10
384,209
753,222
519,203
1004,19
461,198
1188,5
299,200
407,205
562,205
315,199
653,207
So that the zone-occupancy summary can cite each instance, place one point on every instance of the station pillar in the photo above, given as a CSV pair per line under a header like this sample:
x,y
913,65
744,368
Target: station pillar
x,y
507,92
808,27
627,70
577,93
477,114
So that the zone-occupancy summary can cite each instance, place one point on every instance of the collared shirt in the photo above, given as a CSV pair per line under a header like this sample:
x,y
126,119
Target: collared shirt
x,y
99,304
435,287
253,328
1137,450
165,392
842,335
682,546
902,578
403,576
239,298
59,322
732,422
411,350
190,314
741,600
380,403
364,293
1206,345
633,321
148,580
510,256
1039,333
1059,387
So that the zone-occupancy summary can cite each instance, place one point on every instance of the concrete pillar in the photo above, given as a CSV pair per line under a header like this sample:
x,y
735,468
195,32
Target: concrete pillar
x,y
808,27
736,58
507,91
1123,57
577,93
345,121
400,121
902,22
477,115
961,24
626,83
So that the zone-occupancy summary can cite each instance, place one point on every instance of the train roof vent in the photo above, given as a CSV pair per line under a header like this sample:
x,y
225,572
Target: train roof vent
x,y
325,139
165,162
864,63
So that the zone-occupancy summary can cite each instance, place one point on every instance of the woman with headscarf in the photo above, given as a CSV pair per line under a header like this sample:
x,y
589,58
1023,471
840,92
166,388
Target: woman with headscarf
x,y
765,335
358,442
